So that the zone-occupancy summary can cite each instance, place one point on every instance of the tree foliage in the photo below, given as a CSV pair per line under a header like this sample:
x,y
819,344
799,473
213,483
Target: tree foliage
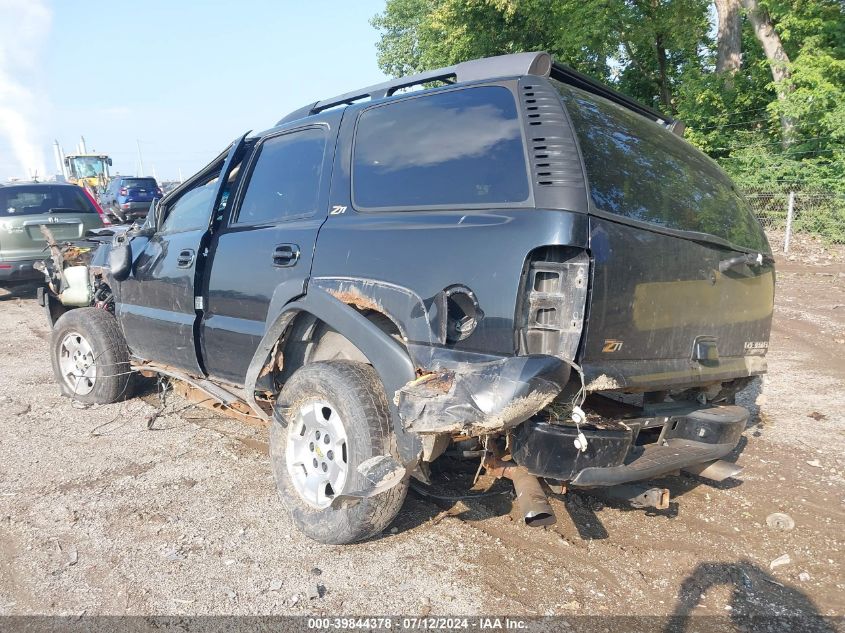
x,y
769,121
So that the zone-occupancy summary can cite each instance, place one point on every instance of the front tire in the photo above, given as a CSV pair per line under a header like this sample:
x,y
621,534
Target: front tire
x,y
89,356
330,418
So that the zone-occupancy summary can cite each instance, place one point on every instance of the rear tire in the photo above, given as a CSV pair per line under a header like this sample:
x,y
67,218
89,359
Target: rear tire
x,y
90,357
345,399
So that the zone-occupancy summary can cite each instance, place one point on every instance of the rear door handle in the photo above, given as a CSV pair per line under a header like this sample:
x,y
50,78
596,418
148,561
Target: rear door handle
x,y
285,255
185,258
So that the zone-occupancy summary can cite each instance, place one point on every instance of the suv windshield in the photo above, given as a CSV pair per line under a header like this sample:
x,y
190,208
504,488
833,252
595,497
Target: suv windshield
x,y
87,166
36,199
643,172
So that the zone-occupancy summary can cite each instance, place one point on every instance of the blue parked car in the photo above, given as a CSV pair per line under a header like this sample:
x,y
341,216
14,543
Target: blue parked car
x,y
128,198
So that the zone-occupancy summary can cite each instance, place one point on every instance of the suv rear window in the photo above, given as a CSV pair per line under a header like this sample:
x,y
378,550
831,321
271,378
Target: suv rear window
x,y
461,147
643,172
140,183
38,199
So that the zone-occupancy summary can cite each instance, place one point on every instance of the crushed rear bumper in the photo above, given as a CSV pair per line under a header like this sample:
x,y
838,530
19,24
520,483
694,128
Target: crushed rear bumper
x,y
668,439
481,398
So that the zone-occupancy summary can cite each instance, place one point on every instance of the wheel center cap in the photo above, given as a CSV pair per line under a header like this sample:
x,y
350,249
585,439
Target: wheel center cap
x,y
318,451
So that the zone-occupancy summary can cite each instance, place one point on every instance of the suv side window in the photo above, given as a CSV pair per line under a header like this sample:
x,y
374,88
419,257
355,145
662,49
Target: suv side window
x,y
460,147
285,179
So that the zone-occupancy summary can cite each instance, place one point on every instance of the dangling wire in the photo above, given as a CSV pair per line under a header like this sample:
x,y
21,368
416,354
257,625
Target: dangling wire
x,y
577,415
481,463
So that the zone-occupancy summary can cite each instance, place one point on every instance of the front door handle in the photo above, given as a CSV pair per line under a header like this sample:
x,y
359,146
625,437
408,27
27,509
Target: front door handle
x,y
185,258
285,255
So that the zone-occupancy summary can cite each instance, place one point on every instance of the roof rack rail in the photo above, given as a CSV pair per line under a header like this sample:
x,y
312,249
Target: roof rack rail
x,y
538,63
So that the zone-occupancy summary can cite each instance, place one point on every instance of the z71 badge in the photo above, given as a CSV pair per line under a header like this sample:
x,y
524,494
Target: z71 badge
x,y
611,345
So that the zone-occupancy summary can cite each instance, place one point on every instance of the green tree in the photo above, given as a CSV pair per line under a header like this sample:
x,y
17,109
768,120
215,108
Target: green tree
x,y
766,97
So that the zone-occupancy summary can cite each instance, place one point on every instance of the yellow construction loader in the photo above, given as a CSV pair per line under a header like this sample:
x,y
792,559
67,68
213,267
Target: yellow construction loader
x,y
88,169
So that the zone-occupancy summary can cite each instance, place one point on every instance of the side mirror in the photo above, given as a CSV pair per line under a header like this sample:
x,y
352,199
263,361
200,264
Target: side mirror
x,y
109,161
120,258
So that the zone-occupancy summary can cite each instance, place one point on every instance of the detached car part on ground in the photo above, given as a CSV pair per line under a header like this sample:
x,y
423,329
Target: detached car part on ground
x,y
522,261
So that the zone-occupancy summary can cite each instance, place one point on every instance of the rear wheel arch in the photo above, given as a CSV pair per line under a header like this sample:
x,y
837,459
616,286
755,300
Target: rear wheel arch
x,y
366,336
310,339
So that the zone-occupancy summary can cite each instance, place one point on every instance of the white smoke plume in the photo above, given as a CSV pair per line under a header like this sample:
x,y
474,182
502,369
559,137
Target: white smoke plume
x,y
24,26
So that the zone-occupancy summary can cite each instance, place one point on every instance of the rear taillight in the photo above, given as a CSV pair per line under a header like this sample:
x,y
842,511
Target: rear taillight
x,y
553,297
123,191
103,217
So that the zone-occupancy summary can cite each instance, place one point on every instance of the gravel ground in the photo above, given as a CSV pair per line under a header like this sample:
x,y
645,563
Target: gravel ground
x,y
100,514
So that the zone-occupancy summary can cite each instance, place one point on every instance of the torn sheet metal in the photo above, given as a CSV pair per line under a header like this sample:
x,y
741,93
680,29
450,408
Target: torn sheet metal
x,y
481,398
402,306
380,473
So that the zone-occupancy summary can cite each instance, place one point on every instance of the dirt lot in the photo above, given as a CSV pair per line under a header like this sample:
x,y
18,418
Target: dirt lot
x,y
100,514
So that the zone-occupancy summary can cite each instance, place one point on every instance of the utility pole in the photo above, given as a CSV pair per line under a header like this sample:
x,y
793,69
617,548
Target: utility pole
x,y
140,159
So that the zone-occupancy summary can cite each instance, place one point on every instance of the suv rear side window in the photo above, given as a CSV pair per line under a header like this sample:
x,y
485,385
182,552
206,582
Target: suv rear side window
x,y
285,181
640,171
461,147
36,199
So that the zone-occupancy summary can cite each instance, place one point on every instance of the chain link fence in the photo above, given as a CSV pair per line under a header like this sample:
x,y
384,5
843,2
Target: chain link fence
x,y
786,213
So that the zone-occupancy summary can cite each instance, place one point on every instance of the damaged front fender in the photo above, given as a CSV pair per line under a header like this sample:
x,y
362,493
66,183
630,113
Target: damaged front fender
x,y
481,398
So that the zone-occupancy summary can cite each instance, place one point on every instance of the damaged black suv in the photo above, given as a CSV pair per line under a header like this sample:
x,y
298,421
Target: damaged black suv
x,y
520,259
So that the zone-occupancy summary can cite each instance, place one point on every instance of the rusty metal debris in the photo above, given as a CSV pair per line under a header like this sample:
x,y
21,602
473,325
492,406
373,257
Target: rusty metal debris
x,y
636,495
201,398
353,296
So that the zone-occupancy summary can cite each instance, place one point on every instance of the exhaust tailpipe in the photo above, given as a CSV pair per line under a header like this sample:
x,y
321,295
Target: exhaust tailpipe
x,y
530,497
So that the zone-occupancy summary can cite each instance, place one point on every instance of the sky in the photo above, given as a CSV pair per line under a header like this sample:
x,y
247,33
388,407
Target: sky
x,y
181,78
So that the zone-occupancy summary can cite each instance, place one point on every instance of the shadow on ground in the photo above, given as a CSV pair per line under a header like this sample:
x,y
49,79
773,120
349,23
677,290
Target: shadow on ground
x,y
758,602
10,291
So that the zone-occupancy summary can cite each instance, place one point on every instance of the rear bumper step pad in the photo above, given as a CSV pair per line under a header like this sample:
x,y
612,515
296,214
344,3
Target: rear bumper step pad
x,y
655,460
687,436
